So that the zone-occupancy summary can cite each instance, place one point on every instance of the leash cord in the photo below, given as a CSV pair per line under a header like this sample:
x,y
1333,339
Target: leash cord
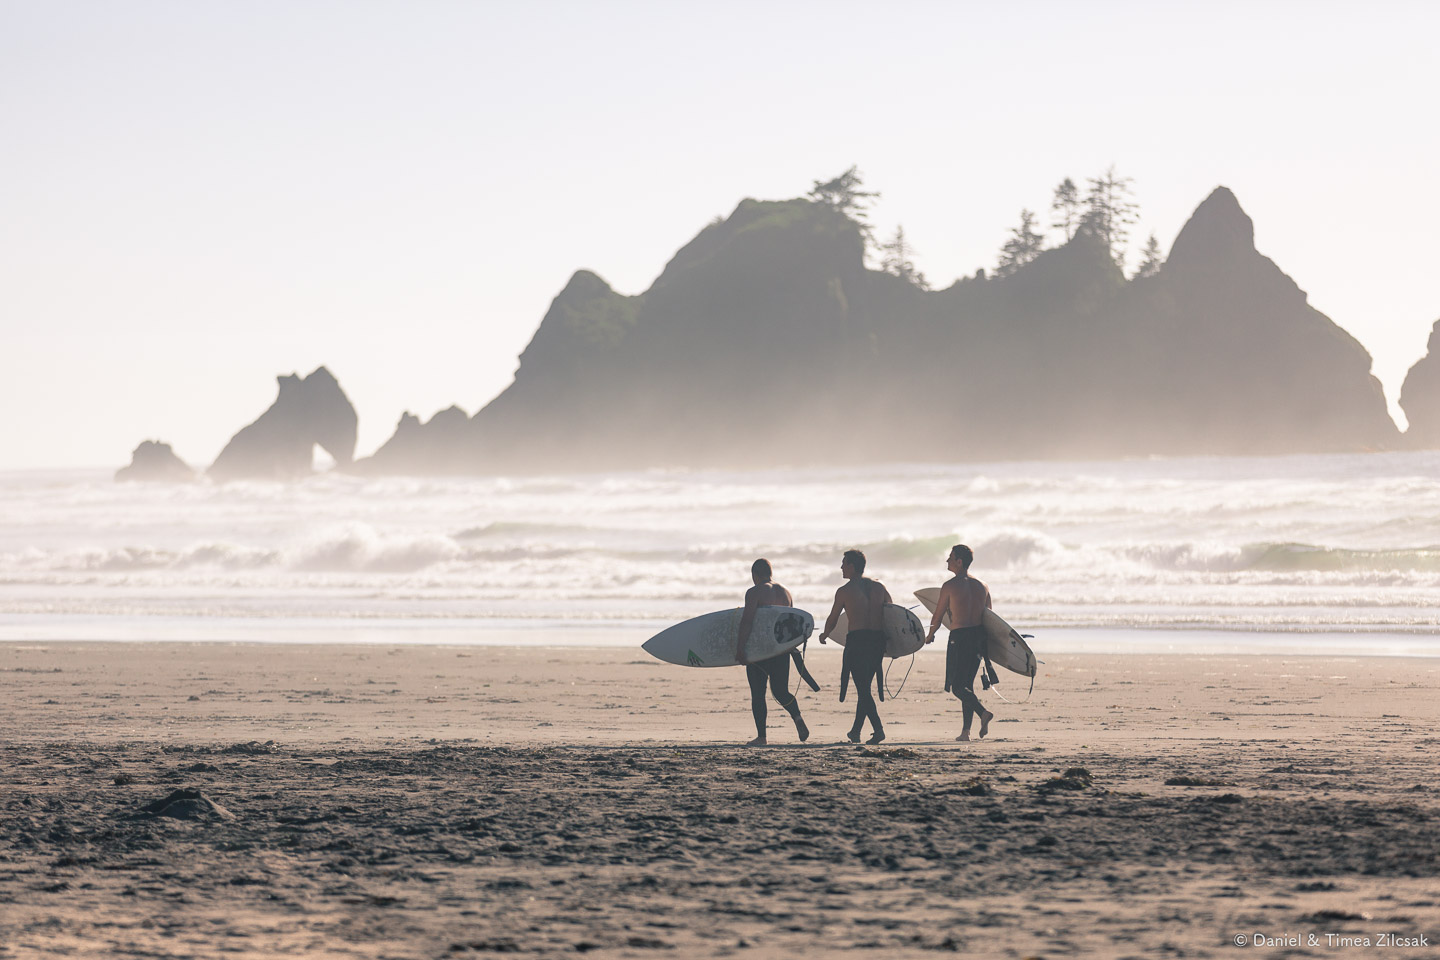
x,y
903,680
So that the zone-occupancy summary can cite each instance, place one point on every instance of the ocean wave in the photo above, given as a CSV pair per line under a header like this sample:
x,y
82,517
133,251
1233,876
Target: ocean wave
x,y
1282,557
1307,557
357,547
361,547
138,558
530,530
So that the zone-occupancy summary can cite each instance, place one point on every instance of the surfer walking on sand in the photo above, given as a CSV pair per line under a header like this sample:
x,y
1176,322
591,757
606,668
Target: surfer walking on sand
x,y
767,593
965,599
863,602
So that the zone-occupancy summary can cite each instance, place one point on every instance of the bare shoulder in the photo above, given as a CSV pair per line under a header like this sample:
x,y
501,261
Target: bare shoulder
x,y
782,594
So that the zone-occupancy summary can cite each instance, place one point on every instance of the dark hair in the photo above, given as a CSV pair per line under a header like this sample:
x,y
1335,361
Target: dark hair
x,y
966,555
760,568
856,559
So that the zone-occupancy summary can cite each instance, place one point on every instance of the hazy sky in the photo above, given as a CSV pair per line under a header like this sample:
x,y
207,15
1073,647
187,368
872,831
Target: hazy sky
x,y
197,196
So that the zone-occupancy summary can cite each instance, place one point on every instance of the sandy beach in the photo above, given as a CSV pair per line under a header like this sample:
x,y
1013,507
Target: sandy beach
x,y
373,801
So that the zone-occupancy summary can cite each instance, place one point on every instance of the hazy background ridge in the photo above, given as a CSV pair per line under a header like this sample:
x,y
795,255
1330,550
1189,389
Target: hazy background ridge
x,y
199,197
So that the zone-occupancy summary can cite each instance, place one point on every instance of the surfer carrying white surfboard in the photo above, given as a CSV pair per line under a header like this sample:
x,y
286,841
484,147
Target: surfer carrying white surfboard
x,y
965,599
863,602
767,593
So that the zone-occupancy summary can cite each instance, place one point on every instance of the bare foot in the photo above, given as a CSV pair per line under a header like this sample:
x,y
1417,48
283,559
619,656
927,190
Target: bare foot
x,y
853,736
757,742
985,719
802,730
877,737
964,735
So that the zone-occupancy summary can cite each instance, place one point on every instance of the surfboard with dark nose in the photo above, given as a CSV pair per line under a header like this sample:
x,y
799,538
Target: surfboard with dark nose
x,y
709,640
1003,643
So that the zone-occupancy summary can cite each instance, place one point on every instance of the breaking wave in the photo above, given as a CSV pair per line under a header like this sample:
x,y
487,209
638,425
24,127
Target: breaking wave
x,y
1186,542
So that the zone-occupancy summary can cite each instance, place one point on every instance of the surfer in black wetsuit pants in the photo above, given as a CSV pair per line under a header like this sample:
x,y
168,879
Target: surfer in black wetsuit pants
x,y
965,599
863,601
767,593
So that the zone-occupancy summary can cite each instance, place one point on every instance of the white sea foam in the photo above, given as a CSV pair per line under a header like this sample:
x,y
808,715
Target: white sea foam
x,y
1300,543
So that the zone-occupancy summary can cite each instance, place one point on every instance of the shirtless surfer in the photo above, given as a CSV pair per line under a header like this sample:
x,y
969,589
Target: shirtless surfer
x,y
863,601
767,593
966,600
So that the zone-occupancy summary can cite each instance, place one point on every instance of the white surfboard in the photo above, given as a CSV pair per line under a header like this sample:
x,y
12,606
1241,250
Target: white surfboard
x,y
904,633
709,640
1003,643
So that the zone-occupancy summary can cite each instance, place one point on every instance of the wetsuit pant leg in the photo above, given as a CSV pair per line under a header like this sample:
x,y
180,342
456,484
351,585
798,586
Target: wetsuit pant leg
x,y
776,670
755,673
962,663
867,654
779,670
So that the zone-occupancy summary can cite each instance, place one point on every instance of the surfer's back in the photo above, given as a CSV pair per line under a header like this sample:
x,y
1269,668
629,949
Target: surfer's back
x,y
864,601
769,595
968,599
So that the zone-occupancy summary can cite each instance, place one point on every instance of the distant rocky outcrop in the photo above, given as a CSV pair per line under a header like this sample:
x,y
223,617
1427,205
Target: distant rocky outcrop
x,y
766,340
1420,396
434,447
155,462
1228,356
280,445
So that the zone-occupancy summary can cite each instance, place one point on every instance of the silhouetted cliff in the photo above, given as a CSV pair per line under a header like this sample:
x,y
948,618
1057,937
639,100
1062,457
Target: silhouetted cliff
x,y
1420,396
436,446
281,443
1229,357
155,462
766,340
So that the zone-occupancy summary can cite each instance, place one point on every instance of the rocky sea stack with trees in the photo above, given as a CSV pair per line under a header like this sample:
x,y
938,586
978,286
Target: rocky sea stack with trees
x,y
768,332
769,335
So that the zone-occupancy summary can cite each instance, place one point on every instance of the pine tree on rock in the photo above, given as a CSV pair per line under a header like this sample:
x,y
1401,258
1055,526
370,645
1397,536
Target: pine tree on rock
x,y
1150,260
1109,211
1066,207
896,254
1024,245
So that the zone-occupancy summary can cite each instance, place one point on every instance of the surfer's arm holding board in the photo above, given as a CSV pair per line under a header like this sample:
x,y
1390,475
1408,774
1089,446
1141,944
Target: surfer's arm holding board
x,y
747,622
938,617
834,618
765,594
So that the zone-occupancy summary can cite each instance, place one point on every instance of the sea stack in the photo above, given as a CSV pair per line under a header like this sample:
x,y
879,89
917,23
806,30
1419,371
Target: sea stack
x,y
767,332
1420,396
155,462
280,445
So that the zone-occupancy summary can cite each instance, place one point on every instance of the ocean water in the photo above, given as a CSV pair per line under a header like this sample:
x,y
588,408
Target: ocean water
x,y
1333,552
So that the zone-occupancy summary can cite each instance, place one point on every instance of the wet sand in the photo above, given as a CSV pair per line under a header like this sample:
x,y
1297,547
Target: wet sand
x,y
368,801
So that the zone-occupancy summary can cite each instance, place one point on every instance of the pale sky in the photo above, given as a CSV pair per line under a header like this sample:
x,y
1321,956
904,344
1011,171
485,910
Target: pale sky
x,y
197,196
